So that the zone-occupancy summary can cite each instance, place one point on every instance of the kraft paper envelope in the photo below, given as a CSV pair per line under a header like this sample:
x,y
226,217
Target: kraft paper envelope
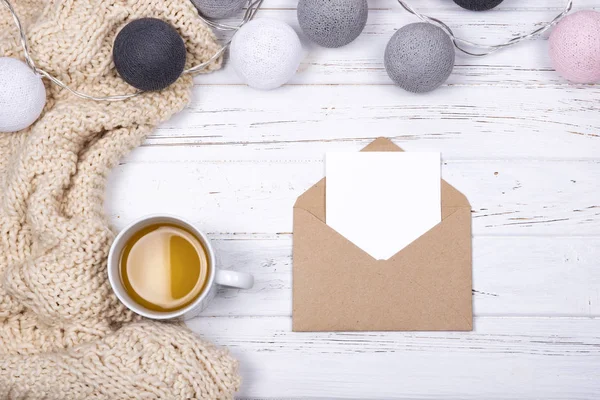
x,y
424,287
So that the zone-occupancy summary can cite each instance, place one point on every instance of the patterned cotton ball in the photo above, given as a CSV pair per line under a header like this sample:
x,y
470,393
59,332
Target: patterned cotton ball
x,y
266,53
419,57
478,5
332,23
22,95
575,47
149,54
219,8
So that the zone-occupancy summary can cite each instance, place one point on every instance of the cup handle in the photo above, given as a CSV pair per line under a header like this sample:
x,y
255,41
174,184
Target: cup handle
x,y
233,279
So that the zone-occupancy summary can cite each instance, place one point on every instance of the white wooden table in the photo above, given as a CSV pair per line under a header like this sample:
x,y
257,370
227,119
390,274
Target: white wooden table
x,y
523,145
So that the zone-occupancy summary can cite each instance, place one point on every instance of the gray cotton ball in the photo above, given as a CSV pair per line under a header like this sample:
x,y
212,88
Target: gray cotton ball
x,y
419,57
149,54
219,8
478,5
332,23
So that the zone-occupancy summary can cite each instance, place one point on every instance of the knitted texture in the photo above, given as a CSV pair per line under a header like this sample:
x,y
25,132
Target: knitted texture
x,y
419,57
63,333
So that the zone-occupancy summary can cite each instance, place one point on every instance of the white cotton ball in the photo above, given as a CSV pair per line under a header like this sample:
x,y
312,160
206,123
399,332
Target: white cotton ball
x,y
22,95
266,53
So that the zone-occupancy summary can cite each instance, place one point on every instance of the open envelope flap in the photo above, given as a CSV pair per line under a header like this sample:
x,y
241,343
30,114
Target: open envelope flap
x,y
339,287
313,200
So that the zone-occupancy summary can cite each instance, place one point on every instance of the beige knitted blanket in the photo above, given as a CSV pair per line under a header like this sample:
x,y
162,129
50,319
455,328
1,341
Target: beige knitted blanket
x,y
63,334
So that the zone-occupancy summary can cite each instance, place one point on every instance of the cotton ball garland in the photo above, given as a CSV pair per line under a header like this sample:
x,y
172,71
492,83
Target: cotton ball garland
x,y
149,54
332,23
22,95
419,57
575,47
478,5
219,8
266,53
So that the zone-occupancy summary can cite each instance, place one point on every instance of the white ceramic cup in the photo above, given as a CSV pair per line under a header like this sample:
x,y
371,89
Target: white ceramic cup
x,y
216,276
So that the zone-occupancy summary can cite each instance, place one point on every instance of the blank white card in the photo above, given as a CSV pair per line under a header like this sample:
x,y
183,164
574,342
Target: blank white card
x,y
383,201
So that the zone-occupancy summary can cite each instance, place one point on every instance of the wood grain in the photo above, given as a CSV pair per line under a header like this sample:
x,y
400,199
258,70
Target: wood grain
x,y
464,123
504,358
361,62
515,137
512,276
515,197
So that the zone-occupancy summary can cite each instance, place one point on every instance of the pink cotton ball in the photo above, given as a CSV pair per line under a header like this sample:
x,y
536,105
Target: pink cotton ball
x,y
575,47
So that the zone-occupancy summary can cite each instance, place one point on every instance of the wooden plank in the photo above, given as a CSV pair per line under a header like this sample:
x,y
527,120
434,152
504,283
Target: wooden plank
x,y
515,197
432,5
463,123
504,358
527,64
521,143
512,276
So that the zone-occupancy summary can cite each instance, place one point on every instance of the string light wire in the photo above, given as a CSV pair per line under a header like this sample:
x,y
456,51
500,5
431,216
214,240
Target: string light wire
x,y
460,43
252,8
